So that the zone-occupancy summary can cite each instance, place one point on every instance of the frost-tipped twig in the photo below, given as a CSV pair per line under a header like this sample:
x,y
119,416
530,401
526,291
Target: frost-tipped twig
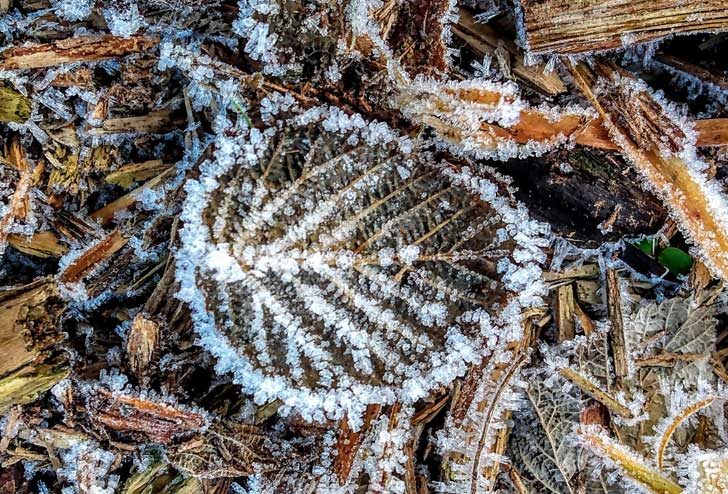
x,y
629,462
669,428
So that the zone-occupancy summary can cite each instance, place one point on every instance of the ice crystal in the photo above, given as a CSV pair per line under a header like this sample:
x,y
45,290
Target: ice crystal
x,y
324,275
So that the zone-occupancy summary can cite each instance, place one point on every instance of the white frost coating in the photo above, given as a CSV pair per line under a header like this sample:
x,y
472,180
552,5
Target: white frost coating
x,y
73,10
124,20
199,254
425,96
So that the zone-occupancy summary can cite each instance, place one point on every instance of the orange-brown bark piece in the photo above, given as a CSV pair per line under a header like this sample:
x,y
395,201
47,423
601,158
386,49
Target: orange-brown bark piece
x,y
156,421
91,48
579,26
92,257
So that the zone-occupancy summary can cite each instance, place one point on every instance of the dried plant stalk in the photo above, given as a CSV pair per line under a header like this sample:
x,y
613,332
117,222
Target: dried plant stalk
x,y
631,464
656,144
89,48
681,417
567,26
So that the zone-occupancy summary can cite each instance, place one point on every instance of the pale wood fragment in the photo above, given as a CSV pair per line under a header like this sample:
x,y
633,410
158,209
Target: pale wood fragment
x,y
89,48
142,343
579,26
614,310
565,313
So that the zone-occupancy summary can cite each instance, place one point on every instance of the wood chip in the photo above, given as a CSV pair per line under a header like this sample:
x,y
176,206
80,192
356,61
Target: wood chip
x,y
569,27
89,48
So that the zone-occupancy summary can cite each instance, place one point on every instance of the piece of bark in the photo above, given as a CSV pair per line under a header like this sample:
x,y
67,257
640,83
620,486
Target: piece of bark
x,y
614,311
484,40
569,26
28,335
141,418
155,122
653,140
142,343
577,190
87,261
41,244
587,324
88,48
565,320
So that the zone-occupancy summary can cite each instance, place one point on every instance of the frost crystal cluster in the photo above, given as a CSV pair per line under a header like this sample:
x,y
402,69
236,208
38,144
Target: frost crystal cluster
x,y
331,266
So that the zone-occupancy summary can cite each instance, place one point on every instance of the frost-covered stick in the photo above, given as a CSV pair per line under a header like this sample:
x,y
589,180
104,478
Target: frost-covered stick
x,y
660,143
484,40
106,214
87,261
569,27
593,390
628,461
490,120
88,48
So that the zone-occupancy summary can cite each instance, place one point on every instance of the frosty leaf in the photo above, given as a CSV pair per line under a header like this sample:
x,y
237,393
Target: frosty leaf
x,y
540,446
674,325
338,269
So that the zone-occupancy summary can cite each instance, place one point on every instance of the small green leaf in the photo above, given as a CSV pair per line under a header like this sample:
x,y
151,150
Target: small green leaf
x,y
646,245
676,260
